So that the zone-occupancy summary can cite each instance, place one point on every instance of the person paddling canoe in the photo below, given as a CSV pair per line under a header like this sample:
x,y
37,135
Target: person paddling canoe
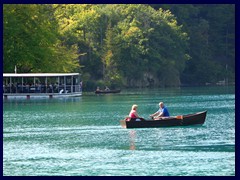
x,y
133,114
161,113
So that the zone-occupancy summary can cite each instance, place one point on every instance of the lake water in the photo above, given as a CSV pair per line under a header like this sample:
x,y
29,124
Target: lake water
x,y
82,136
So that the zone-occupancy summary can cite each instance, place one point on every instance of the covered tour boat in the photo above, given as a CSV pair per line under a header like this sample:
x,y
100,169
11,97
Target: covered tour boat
x,y
182,120
41,85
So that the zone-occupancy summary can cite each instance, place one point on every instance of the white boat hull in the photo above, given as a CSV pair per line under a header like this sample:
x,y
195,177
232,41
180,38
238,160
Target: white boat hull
x,y
40,95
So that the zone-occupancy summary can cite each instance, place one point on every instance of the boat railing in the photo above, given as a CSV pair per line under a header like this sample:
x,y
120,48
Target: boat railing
x,y
59,89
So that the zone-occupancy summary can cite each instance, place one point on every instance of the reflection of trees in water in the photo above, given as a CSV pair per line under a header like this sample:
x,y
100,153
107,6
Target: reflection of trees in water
x,y
132,135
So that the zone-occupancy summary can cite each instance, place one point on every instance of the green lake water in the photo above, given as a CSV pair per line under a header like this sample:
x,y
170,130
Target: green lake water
x,y
82,136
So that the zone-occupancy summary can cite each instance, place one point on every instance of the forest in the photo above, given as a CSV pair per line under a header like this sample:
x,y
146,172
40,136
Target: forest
x,y
123,45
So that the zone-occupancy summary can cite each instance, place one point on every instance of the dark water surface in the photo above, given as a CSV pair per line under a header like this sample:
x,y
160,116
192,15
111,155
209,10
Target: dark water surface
x,y
82,136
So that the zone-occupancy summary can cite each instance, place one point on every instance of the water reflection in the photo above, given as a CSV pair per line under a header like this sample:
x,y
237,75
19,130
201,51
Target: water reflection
x,y
41,100
132,137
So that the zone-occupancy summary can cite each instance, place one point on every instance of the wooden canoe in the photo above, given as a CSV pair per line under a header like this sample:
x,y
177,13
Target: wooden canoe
x,y
182,120
107,91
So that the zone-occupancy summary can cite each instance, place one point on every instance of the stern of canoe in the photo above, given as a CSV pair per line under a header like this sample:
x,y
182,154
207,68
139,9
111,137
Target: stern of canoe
x,y
123,123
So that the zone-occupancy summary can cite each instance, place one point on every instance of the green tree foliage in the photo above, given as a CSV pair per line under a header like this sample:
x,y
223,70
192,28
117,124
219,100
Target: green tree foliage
x,y
31,41
134,45
126,44
211,30
132,37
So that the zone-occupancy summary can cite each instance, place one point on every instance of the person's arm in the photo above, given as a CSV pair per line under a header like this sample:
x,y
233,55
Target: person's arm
x,y
160,114
154,114
136,114
163,112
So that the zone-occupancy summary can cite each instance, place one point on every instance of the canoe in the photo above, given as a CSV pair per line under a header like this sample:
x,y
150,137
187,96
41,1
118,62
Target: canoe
x,y
107,91
181,120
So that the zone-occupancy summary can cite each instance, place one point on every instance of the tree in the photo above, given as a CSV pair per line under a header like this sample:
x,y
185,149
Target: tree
x,y
31,40
211,30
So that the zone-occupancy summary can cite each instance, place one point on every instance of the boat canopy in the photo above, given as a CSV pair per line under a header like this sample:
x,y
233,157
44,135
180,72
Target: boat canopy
x,y
38,74
41,84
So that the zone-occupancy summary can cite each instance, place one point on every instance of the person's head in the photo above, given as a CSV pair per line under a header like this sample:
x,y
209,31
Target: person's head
x,y
161,105
134,107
